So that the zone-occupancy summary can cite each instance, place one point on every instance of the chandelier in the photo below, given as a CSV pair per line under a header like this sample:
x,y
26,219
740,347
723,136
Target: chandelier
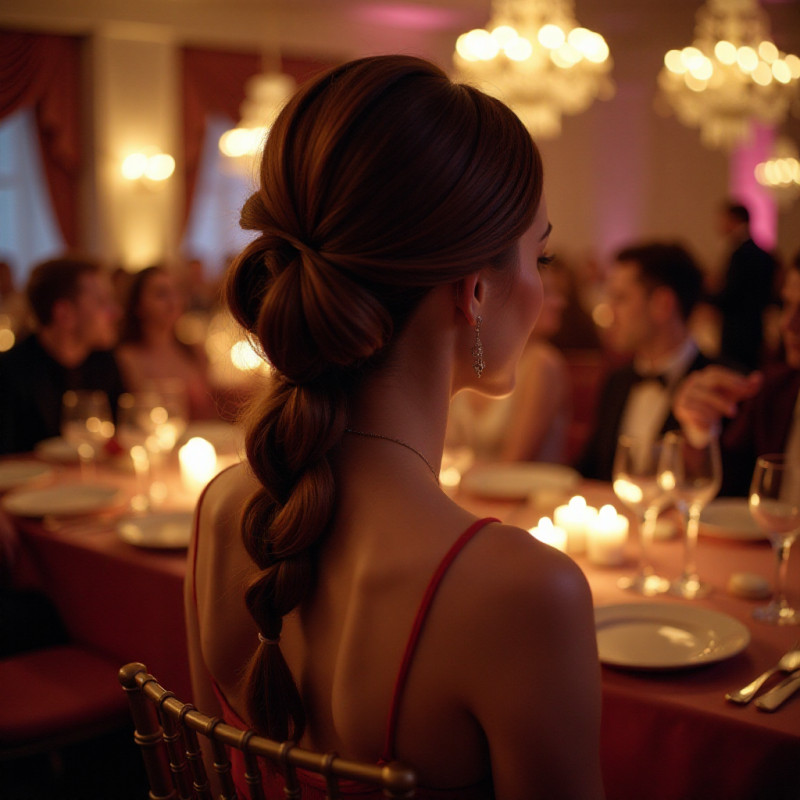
x,y
781,172
537,59
265,96
731,75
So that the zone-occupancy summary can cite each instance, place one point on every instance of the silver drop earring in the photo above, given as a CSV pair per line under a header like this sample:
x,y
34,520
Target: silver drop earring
x,y
478,364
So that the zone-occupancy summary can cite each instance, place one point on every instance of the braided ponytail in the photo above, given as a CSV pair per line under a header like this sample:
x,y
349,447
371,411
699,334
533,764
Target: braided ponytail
x,y
379,180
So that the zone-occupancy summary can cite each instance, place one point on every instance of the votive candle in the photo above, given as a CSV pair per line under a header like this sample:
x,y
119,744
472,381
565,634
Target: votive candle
x,y
606,538
550,534
198,460
575,518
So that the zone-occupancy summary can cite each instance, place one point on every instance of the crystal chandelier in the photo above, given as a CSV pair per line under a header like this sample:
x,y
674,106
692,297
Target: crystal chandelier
x,y
534,57
731,75
265,96
781,172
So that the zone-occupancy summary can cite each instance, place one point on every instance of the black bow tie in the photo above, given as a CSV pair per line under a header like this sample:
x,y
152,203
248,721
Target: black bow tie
x,y
638,377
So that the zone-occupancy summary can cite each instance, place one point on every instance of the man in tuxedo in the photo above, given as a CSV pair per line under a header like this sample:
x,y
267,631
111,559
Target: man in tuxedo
x,y
764,407
652,289
747,290
76,315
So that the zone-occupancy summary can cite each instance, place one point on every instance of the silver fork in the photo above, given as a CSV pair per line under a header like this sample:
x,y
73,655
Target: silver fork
x,y
789,662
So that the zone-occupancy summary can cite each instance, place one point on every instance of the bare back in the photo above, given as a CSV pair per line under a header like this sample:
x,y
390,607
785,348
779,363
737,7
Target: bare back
x,y
495,633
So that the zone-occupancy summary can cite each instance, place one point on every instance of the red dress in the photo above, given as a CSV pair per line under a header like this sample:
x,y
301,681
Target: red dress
x,y
313,785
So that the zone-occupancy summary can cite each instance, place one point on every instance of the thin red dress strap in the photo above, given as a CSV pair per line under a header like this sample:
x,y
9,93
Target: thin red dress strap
x,y
416,630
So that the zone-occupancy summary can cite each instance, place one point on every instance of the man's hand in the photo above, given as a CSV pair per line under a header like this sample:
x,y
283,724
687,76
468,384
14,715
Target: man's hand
x,y
708,395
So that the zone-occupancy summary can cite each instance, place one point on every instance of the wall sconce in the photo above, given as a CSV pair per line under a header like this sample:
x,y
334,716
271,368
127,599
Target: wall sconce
x,y
152,167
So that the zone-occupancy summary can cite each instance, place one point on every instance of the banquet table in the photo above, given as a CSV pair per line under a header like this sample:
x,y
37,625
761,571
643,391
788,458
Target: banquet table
x,y
665,733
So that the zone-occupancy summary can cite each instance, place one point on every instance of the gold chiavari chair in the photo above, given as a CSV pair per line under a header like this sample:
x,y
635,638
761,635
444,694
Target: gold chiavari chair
x,y
169,731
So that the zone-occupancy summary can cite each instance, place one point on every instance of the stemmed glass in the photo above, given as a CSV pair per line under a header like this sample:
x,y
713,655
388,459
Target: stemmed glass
x,y
168,419
775,506
135,433
691,473
635,483
86,423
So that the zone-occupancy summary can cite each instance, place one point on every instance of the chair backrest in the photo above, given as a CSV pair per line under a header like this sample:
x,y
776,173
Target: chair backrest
x,y
167,732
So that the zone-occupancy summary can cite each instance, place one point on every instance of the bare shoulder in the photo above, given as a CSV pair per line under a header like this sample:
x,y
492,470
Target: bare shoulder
x,y
218,553
227,494
515,568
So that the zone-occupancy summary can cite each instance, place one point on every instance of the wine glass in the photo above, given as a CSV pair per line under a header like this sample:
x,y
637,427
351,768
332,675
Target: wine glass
x,y
634,478
135,433
775,506
86,423
168,419
168,414
691,473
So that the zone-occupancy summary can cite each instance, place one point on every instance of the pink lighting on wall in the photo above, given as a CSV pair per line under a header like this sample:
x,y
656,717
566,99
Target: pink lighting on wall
x,y
414,17
745,189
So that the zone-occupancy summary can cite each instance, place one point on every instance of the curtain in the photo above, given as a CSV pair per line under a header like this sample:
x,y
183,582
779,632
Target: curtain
x,y
43,71
213,83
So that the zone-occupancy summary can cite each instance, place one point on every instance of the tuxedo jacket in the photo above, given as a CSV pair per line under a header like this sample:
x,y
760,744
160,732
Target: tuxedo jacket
x,y
762,426
597,459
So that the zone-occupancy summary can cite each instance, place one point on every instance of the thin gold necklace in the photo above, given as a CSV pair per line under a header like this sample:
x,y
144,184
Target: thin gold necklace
x,y
396,441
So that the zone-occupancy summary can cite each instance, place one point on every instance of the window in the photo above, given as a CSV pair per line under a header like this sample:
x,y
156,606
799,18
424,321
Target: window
x,y
29,232
213,233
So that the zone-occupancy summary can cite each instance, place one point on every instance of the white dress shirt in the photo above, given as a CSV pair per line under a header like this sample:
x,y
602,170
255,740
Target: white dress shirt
x,y
649,401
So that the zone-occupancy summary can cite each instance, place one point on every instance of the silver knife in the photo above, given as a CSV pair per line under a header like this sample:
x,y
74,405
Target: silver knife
x,y
778,695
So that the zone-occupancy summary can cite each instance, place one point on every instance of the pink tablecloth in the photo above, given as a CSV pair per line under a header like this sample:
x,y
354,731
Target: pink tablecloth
x,y
667,735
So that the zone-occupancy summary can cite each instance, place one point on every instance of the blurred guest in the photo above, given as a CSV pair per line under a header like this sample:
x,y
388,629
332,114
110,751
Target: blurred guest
x,y
531,423
768,420
652,289
577,330
76,325
747,290
150,355
12,302
202,294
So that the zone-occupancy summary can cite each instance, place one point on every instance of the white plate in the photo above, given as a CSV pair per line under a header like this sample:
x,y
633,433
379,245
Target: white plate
x,y
518,479
730,518
666,635
77,498
56,449
17,473
167,530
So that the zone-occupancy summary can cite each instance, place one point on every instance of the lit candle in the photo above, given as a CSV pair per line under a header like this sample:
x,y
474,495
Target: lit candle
x,y
550,534
605,541
198,460
575,518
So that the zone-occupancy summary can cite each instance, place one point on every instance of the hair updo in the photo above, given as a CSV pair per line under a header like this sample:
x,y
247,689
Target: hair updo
x,y
379,180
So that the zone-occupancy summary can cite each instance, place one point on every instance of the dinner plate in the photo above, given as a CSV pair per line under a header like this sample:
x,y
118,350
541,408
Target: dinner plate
x,y
666,635
65,500
56,449
518,480
730,518
163,530
17,473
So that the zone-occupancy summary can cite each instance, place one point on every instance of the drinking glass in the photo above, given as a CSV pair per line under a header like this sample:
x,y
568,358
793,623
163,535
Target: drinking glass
x,y
136,434
168,413
167,408
691,474
775,506
635,483
86,423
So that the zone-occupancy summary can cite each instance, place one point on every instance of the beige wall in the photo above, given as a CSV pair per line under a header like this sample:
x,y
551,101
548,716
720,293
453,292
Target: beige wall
x,y
618,172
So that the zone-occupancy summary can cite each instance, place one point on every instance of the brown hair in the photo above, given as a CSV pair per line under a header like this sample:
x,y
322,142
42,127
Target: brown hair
x,y
670,265
54,280
379,180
